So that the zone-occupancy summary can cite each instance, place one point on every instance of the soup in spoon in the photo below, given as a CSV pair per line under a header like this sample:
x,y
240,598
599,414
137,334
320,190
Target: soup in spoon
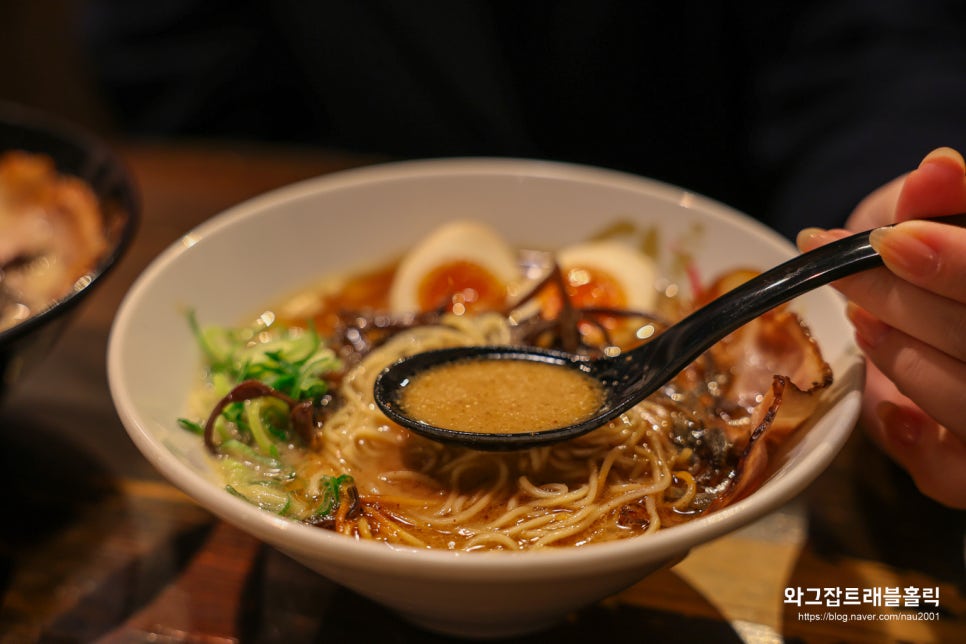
x,y
479,396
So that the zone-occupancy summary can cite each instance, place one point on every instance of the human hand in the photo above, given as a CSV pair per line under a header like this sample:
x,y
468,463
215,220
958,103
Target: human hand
x,y
910,321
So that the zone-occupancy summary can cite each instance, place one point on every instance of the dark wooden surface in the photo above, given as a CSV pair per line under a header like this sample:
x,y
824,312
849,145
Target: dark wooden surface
x,y
95,546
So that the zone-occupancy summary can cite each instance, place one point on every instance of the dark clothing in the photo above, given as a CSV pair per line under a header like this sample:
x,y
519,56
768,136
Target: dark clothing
x,y
789,111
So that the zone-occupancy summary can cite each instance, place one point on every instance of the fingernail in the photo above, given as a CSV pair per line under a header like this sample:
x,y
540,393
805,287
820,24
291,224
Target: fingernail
x,y
902,427
809,238
944,155
869,330
813,237
904,252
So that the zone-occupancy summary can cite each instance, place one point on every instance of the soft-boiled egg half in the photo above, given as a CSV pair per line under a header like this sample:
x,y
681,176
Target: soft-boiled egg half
x,y
461,267
608,273
604,274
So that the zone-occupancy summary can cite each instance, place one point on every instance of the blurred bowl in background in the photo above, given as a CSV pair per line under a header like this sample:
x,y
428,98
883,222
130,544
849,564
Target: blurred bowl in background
x,y
79,154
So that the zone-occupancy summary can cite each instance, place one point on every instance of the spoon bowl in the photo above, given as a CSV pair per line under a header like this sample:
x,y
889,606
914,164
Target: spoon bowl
x,y
632,376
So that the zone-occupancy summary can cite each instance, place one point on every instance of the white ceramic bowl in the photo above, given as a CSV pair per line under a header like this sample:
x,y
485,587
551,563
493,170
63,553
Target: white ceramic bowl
x,y
250,255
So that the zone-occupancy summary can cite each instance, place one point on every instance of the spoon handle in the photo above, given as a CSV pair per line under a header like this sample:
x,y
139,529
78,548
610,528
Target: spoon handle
x,y
808,271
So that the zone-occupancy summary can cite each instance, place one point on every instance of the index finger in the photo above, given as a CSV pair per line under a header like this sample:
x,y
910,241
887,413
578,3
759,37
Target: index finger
x,y
936,187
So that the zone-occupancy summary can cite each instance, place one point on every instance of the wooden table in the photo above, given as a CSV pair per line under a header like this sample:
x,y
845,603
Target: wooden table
x,y
95,546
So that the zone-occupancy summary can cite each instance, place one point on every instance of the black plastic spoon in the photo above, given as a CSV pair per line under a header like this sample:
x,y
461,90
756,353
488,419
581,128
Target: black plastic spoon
x,y
632,376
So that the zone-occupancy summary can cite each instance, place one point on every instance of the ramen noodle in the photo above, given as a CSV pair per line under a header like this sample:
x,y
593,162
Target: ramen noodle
x,y
286,410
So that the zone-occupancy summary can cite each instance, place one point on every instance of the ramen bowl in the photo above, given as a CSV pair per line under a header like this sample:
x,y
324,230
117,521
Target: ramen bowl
x,y
79,154
231,267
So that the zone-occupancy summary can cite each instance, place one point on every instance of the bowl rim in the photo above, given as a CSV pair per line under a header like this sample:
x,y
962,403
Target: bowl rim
x,y
99,154
299,538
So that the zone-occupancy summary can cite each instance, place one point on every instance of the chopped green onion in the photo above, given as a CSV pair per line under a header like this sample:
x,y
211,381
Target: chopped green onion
x,y
191,426
331,487
252,433
257,412
245,453
264,496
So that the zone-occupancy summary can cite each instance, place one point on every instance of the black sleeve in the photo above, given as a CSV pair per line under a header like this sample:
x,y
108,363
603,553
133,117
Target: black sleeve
x,y
852,94
197,67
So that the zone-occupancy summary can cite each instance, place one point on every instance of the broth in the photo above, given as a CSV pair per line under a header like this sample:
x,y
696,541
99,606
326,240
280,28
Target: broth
x,y
501,396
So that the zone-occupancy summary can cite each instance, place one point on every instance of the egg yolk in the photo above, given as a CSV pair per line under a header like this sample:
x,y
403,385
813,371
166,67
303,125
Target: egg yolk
x,y
586,287
589,288
461,287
